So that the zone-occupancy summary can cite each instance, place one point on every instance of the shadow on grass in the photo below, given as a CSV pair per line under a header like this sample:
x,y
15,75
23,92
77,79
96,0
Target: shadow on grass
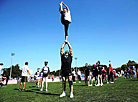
x,y
133,80
47,94
79,85
36,89
16,89
24,91
31,86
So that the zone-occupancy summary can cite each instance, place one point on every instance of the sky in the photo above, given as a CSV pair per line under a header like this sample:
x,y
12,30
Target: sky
x,y
100,30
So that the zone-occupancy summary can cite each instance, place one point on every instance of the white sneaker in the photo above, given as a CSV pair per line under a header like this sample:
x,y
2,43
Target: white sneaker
x,y
71,95
107,82
74,82
63,94
41,89
98,85
112,82
46,90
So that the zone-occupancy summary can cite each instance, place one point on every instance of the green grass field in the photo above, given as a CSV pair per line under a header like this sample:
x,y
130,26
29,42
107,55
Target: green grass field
x,y
123,90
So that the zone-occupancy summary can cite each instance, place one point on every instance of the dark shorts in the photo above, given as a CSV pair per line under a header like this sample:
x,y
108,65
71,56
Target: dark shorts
x,y
24,79
45,75
65,73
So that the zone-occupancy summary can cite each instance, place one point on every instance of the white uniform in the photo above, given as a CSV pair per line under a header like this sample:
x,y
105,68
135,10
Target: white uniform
x,y
25,70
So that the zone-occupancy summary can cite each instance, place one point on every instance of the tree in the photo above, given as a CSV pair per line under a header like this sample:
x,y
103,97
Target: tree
x,y
124,66
16,72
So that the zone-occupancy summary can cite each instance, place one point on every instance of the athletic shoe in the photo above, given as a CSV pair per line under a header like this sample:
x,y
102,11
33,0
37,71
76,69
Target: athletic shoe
x,y
107,82
23,90
63,94
102,84
20,89
98,85
74,82
46,90
79,81
112,82
71,95
41,89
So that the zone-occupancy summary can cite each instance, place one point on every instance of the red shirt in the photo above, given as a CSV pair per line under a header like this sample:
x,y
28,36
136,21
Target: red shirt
x,y
103,72
111,69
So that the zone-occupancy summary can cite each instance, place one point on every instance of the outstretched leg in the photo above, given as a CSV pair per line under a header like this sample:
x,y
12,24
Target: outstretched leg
x,y
66,26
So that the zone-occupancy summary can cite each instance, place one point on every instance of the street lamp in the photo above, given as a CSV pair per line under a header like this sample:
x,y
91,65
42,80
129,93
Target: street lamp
x,y
76,63
12,54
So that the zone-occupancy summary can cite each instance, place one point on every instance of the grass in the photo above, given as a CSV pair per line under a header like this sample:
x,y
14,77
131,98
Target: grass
x,y
123,90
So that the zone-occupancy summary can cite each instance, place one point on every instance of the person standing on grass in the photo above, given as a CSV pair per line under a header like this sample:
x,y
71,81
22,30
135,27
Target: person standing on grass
x,y
65,18
37,77
25,71
99,67
111,73
90,77
79,75
95,73
73,75
104,74
125,73
66,61
45,71
86,70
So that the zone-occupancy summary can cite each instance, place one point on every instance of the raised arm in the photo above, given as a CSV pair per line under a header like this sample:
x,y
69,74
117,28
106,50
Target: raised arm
x,y
60,8
70,48
61,51
65,6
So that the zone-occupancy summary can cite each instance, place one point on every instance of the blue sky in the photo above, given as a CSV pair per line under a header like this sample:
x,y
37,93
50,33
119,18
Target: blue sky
x,y
100,30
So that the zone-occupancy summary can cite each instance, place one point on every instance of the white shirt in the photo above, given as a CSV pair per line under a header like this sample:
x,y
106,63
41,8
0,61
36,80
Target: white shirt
x,y
67,16
74,73
79,73
45,70
25,70
1,72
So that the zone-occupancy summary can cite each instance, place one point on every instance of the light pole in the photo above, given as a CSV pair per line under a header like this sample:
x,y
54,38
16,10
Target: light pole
x,y
12,54
76,63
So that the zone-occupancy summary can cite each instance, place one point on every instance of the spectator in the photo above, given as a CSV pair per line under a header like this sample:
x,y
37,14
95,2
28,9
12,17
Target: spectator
x,y
79,75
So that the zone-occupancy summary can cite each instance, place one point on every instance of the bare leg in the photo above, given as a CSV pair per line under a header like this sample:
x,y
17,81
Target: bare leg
x,y
66,37
71,87
98,79
63,84
20,85
46,83
24,85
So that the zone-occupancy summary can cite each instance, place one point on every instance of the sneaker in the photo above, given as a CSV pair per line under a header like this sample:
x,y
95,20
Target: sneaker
x,y
107,82
102,84
79,81
98,85
23,90
63,94
74,82
41,89
46,90
20,89
112,82
71,95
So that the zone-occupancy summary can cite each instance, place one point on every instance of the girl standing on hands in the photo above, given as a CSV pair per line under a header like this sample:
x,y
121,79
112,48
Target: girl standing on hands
x,y
65,18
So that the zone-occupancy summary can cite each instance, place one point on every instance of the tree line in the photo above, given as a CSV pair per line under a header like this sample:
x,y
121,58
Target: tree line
x,y
16,72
